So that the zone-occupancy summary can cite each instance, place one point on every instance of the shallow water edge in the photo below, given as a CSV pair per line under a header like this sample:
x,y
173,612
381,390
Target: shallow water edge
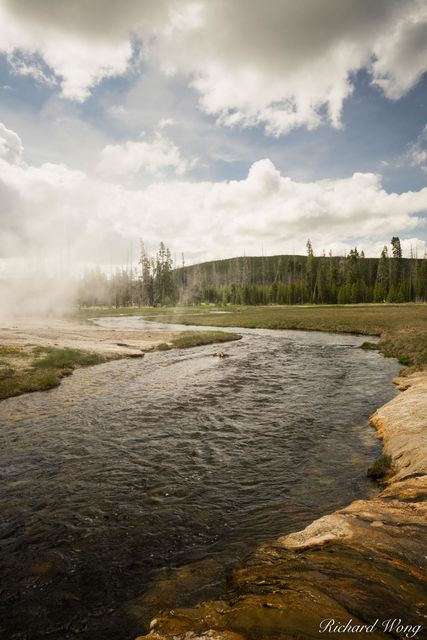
x,y
362,565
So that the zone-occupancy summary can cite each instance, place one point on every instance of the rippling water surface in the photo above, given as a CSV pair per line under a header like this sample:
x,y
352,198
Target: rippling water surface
x,y
134,485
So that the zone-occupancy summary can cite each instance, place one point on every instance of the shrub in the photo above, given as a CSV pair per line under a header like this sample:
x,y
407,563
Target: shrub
x,y
381,467
369,346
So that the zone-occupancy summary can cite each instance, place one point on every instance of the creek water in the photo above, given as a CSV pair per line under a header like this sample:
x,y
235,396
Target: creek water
x,y
137,484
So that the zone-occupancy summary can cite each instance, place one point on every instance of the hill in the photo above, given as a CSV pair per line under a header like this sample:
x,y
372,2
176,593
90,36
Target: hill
x,y
296,279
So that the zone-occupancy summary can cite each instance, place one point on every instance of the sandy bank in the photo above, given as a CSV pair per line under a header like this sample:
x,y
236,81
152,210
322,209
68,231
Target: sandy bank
x,y
366,562
63,333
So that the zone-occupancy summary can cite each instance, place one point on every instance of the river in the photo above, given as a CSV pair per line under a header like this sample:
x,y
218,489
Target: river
x,y
137,484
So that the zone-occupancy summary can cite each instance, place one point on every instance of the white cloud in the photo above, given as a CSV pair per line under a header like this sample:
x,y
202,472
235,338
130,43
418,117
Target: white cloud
x,y
78,60
289,64
130,158
413,248
117,111
166,122
417,153
280,65
11,148
28,65
401,52
53,210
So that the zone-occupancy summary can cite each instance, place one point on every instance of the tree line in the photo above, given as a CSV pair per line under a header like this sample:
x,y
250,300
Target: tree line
x,y
152,283
279,279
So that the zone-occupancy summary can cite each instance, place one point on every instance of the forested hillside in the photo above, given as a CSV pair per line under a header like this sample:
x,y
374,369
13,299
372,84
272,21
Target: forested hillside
x,y
305,279
282,279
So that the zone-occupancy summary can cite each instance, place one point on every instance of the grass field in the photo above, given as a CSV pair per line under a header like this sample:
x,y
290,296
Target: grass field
x,y
38,368
199,338
402,328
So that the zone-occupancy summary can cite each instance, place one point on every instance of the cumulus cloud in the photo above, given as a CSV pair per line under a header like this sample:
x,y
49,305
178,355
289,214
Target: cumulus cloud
x,y
417,153
413,248
53,210
401,52
11,148
76,57
132,157
280,65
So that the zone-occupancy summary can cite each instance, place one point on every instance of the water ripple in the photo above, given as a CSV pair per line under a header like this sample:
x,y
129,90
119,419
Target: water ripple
x,y
133,467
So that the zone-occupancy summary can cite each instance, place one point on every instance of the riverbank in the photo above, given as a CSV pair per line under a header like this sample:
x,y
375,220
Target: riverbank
x,y
365,563
36,354
401,328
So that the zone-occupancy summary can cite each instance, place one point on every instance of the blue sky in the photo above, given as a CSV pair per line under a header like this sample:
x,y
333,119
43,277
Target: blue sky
x,y
220,128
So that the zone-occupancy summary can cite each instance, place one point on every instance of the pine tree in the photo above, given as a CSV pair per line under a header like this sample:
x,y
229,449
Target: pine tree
x,y
396,263
309,272
147,277
322,284
332,279
382,279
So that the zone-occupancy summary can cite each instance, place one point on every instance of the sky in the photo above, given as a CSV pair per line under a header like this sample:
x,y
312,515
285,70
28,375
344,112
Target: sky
x,y
221,127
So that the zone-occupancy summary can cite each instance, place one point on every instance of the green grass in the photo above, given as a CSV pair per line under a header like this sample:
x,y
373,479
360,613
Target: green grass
x,y
190,339
6,370
198,338
24,381
381,467
369,346
163,346
402,328
64,358
84,313
40,368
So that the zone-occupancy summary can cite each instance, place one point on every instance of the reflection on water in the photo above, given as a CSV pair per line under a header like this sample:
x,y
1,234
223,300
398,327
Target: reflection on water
x,y
177,460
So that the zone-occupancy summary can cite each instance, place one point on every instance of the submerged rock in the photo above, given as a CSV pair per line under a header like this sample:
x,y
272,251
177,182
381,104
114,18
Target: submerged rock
x,y
208,635
366,563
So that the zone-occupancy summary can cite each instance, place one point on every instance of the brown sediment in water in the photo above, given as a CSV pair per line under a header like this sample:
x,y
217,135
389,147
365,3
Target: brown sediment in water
x,y
366,563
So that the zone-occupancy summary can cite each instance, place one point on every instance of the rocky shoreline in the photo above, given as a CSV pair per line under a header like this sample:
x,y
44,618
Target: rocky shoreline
x,y
365,564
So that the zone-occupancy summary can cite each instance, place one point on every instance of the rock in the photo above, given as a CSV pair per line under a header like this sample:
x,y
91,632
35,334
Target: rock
x,y
211,634
173,587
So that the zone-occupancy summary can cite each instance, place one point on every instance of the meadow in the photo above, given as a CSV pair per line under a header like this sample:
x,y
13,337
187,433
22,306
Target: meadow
x,y
401,328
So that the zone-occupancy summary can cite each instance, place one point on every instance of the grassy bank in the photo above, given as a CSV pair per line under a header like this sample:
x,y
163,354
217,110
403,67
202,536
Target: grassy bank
x,y
29,368
402,328
25,369
198,338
